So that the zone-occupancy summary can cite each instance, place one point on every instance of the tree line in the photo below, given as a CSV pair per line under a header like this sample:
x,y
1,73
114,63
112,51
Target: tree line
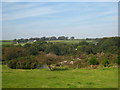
x,y
43,38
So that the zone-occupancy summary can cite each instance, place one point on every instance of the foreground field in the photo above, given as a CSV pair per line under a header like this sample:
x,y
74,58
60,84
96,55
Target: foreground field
x,y
73,78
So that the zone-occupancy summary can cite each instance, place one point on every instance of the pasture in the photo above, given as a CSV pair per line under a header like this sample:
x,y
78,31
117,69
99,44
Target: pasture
x,y
70,41
71,78
5,42
8,42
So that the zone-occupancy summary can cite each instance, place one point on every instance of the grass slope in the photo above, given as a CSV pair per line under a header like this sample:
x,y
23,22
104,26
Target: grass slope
x,y
73,78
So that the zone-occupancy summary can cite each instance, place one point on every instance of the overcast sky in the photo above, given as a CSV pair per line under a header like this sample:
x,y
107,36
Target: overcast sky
x,y
81,20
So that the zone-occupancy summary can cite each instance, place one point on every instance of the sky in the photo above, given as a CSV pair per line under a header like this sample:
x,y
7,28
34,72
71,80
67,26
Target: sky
x,y
78,19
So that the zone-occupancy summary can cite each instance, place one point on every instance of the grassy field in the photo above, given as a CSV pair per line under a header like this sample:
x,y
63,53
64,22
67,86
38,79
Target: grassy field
x,y
4,42
73,78
69,41
8,42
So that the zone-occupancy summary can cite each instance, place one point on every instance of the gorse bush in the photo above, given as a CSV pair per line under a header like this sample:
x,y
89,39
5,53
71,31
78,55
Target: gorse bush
x,y
49,59
32,62
10,53
12,64
93,61
106,62
23,63
118,60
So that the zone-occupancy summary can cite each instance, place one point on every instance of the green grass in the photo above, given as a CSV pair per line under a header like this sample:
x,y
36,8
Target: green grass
x,y
5,40
73,78
6,43
65,41
69,41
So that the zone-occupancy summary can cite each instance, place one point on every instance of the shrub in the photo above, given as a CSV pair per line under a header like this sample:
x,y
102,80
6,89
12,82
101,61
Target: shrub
x,y
93,61
105,62
118,60
49,59
10,53
23,63
12,64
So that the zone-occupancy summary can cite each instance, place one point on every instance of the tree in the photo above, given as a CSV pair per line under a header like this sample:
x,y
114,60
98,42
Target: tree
x,y
60,48
15,40
53,38
36,47
72,38
61,38
108,45
66,38
43,38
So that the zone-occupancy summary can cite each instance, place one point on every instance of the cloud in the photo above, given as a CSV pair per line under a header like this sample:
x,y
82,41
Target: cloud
x,y
41,19
18,6
25,10
25,13
61,1
84,19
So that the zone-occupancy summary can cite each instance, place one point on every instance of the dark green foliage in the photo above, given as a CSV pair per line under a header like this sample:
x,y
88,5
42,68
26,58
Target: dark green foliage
x,y
21,40
108,45
48,59
118,60
23,63
12,64
60,49
10,53
61,38
85,49
36,47
28,45
93,61
106,62
83,43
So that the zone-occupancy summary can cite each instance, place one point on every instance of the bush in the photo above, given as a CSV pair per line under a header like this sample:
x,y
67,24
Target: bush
x,y
23,63
49,59
105,62
10,53
12,64
93,61
118,60
60,49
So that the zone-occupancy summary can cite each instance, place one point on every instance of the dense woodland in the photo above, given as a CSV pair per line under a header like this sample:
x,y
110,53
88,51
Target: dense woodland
x,y
103,52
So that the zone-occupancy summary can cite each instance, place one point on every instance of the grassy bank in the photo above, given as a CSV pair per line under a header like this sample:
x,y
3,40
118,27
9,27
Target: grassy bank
x,y
73,78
